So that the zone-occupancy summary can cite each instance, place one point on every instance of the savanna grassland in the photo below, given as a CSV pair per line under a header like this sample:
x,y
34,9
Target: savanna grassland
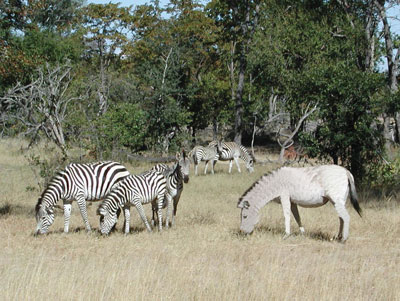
x,y
203,257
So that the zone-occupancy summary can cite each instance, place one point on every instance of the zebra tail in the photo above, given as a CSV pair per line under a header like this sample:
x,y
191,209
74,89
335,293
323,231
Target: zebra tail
x,y
353,194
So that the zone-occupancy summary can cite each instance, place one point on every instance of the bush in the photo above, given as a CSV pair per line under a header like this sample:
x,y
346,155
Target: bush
x,y
124,125
384,176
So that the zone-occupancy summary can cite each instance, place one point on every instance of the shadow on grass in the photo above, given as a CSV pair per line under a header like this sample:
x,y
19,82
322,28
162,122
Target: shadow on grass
x,y
199,218
280,231
95,231
9,209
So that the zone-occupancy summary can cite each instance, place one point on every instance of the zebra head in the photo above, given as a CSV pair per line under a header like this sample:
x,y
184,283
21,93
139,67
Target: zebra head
x,y
107,219
249,217
44,218
250,164
184,165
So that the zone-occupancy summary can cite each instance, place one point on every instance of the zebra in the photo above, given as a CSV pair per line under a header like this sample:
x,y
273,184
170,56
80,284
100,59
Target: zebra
x,y
201,153
176,175
82,182
150,186
233,151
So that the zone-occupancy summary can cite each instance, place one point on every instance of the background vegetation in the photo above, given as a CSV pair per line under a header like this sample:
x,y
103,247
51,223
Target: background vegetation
x,y
107,78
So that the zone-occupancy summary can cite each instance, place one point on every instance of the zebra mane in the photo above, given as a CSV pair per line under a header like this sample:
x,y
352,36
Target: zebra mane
x,y
246,152
59,174
253,185
37,207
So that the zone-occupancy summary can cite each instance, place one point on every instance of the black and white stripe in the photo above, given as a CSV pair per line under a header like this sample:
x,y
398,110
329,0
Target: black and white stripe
x,y
80,182
201,153
233,151
175,175
148,187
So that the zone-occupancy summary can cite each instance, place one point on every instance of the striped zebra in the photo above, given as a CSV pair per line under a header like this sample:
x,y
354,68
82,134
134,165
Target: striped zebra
x,y
176,175
148,187
80,182
201,153
233,151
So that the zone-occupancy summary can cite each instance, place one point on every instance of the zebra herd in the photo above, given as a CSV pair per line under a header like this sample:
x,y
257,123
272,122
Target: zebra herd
x,y
161,186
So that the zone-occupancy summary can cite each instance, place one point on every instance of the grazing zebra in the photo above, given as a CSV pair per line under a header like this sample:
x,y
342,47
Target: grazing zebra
x,y
176,175
80,182
306,187
233,151
200,153
148,187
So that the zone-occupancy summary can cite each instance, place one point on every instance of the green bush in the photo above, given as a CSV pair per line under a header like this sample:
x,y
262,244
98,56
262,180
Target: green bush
x,y
384,175
123,125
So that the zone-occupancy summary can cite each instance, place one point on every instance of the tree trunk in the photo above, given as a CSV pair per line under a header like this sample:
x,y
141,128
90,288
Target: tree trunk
x,y
215,129
239,99
387,136
393,66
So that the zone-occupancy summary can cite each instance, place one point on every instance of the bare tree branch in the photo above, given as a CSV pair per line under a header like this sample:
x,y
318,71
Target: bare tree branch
x,y
41,106
289,141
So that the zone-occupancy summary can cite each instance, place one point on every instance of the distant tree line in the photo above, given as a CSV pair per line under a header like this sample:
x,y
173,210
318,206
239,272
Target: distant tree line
x,y
107,77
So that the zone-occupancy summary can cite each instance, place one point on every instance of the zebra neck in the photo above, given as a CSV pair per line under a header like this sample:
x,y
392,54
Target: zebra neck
x,y
244,155
50,196
263,191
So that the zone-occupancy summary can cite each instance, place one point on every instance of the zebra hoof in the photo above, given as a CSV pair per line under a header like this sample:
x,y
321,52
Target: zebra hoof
x,y
286,236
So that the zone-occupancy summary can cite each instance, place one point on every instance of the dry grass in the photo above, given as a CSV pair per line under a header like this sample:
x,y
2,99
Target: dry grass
x,y
203,257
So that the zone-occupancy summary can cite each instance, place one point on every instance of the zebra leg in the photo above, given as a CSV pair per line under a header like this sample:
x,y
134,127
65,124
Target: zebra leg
x,y
176,201
82,207
212,166
230,166
344,218
154,213
169,210
127,214
296,215
237,163
195,169
205,168
139,208
67,215
285,201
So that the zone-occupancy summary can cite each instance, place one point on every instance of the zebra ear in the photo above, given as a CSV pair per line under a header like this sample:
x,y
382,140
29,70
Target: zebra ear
x,y
101,211
177,156
243,204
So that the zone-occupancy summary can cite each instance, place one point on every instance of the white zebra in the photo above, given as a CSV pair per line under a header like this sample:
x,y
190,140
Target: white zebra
x,y
176,175
307,187
80,182
148,187
201,153
229,151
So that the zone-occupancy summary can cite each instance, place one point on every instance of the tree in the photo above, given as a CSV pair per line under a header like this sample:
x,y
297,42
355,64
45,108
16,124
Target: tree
x,y
239,21
41,106
106,29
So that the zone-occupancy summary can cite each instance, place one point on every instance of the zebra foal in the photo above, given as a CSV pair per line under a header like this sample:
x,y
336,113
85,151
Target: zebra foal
x,y
175,175
201,153
229,151
148,187
80,182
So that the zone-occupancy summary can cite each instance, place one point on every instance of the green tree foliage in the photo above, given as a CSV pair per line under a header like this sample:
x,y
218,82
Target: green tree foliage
x,y
123,125
149,76
33,33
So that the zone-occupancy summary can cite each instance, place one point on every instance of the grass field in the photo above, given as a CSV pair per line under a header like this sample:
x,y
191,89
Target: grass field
x,y
203,257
